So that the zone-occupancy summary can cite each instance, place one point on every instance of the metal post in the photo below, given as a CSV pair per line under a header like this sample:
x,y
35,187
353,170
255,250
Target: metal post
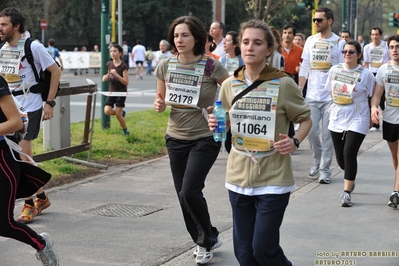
x,y
350,15
105,120
120,22
343,26
354,33
45,7
113,21
315,7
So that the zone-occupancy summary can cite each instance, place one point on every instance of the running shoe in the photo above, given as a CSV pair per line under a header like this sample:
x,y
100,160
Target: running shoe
x,y
47,255
314,171
394,200
218,244
204,255
324,179
346,199
28,213
42,204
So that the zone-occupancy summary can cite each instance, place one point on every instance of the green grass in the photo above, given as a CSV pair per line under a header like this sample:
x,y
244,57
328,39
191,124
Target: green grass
x,y
146,140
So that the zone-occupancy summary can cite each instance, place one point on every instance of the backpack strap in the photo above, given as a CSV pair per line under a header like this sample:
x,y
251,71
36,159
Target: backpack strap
x,y
29,56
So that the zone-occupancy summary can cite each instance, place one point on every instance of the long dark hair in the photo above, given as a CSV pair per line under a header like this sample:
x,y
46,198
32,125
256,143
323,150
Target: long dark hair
x,y
213,45
196,28
234,37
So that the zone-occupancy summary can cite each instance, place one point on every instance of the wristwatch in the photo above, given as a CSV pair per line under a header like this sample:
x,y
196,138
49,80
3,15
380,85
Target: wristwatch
x,y
51,103
296,142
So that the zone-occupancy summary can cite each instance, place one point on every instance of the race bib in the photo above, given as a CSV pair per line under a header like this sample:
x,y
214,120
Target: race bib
x,y
343,84
183,85
320,53
253,119
9,61
253,130
376,57
392,88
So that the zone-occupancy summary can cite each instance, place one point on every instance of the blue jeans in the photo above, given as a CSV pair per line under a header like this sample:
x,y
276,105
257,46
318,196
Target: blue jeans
x,y
149,67
190,162
256,228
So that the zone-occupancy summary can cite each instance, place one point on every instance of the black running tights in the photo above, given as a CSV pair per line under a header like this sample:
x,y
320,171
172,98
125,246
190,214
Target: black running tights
x,y
346,146
9,179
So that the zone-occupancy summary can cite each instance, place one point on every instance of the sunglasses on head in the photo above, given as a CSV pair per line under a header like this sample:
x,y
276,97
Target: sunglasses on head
x,y
349,52
318,20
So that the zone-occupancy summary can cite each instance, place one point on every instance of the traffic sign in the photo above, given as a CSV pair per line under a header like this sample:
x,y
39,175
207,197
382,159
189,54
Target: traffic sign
x,y
43,24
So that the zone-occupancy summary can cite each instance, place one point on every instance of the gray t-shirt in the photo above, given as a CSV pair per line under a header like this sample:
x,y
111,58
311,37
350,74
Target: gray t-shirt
x,y
189,124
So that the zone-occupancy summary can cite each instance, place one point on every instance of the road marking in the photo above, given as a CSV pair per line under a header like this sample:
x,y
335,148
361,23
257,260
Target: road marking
x,y
130,105
128,94
135,91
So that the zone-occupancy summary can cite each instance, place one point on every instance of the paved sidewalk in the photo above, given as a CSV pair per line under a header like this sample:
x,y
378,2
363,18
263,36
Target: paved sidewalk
x,y
315,230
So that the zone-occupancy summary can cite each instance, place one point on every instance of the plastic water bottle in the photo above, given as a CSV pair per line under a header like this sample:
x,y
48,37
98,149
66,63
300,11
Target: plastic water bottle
x,y
220,131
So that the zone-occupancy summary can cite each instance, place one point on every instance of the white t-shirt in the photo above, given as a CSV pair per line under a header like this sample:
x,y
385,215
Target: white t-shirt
x,y
317,79
219,49
391,113
355,116
160,56
139,52
42,59
367,58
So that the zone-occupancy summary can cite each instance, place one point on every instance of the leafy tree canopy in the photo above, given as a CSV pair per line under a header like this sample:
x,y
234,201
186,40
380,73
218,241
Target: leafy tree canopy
x,y
78,22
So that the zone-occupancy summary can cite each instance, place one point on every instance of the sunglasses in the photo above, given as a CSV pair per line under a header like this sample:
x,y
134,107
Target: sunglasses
x,y
318,20
349,52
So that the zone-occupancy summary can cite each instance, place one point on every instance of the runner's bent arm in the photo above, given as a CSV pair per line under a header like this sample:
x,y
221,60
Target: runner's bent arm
x,y
159,103
54,82
375,102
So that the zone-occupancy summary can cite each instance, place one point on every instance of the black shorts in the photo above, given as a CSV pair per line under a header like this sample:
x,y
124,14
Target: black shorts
x,y
139,63
117,101
34,124
390,132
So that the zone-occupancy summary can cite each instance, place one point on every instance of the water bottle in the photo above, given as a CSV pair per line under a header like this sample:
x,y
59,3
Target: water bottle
x,y
220,131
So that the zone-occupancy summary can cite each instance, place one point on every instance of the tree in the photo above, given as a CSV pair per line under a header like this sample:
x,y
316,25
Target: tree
x,y
149,20
32,11
78,19
373,10
236,15
266,10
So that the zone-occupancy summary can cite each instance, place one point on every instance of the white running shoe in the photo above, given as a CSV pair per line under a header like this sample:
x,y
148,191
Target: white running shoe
x,y
203,256
346,200
314,170
217,245
47,256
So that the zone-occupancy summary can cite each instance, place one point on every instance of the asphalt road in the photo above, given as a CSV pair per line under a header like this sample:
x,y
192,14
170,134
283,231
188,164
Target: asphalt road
x,y
85,239
143,90
84,236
